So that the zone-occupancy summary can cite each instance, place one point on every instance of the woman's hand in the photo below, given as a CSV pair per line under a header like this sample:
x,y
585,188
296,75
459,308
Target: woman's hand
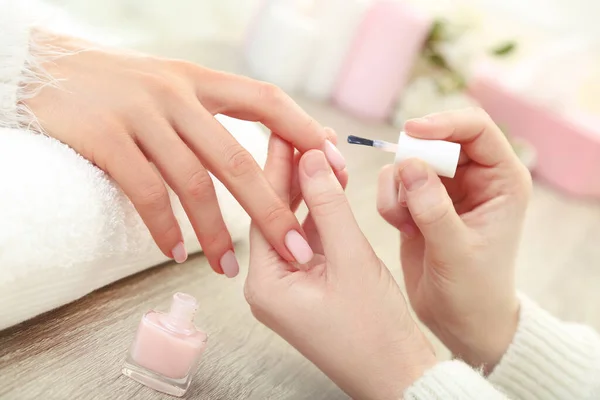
x,y
126,111
344,311
460,237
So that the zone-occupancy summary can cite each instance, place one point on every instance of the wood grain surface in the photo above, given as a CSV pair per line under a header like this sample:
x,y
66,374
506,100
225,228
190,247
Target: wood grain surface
x,y
76,352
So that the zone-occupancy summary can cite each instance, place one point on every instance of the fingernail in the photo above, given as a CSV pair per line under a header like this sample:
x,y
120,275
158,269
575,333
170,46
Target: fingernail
x,y
331,135
426,120
179,253
315,162
402,195
229,264
299,247
335,158
414,175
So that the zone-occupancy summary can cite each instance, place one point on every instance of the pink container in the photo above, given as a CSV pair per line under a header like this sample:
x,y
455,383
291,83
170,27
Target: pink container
x,y
380,59
568,153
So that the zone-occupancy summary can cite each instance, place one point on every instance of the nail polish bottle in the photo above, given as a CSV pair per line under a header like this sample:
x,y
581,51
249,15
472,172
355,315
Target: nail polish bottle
x,y
381,58
167,348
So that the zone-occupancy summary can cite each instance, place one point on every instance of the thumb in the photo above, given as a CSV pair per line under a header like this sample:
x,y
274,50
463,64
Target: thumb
x,y
432,209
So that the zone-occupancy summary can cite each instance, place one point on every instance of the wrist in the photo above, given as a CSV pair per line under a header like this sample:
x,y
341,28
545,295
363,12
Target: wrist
x,y
402,369
482,342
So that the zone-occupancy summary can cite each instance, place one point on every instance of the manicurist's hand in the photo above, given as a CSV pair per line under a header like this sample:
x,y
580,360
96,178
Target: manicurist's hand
x,y
128,113
460,237
343,311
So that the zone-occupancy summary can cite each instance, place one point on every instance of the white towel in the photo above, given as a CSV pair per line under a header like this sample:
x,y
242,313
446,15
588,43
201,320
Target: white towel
x,y
66,229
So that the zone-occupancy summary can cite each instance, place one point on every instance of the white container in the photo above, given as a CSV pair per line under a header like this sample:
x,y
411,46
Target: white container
x,y
282,44
337,22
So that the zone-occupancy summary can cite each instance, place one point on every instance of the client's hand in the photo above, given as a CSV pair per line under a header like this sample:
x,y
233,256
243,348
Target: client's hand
x,y
460,236
125,111
343,311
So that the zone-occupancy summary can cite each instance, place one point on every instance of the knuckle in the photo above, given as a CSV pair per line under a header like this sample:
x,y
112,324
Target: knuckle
x,y
161,88
114,146
199,186
384,209
172,233
275,213
327,203
271,94
434,214
239,163
153,196
214,242
479,112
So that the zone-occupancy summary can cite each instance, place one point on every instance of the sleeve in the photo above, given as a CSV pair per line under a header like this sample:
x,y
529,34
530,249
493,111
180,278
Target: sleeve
x,y
15,62
549,359
452,380
24,26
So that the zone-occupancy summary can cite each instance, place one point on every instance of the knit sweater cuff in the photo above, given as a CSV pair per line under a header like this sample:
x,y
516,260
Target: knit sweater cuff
x,y
452,380
549,359
24,51
14,53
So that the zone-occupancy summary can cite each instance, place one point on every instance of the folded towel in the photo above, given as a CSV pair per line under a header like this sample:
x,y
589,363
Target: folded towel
x,y
66,229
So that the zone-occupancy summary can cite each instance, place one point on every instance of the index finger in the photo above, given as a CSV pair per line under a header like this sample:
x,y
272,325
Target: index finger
x,y
481,139
251,100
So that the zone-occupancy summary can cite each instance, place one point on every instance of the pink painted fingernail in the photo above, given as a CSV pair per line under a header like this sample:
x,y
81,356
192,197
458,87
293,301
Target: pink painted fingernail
x,y
229,264
335,158
179,253
299,247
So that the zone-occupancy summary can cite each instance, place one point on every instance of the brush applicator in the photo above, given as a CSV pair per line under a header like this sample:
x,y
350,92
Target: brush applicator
x,y
441,155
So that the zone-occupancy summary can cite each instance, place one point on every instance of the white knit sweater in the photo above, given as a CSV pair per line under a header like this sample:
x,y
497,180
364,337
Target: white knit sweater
x,y
547,360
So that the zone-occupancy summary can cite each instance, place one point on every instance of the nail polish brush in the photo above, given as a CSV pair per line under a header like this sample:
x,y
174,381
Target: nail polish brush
x,y
441,155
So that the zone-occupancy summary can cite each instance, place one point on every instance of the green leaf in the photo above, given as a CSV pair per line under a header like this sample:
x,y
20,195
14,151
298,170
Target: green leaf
x,y
437,59
436,34
505,49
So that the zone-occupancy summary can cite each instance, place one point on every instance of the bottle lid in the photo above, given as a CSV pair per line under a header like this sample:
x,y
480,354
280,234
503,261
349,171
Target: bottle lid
x,y
441,155
183,309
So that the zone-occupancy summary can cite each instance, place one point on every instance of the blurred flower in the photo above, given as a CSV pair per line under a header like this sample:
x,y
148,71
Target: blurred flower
x,y
422,97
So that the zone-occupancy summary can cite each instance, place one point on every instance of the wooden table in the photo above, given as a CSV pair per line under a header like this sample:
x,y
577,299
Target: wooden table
x,y
76,352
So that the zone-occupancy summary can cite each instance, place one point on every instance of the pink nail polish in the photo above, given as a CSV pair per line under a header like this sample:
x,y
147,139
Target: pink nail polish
x,y
229,264
179,253
334,156
299,247
167,348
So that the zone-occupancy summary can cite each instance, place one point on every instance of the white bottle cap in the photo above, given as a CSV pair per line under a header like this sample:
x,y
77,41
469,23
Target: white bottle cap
x,y
441,155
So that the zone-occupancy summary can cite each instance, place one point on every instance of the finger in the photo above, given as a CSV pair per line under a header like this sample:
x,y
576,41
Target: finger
x,y
295,192
279,166
389,206
481,139
240,173
278,171
193,185
343,241
248,99
146,190
432,210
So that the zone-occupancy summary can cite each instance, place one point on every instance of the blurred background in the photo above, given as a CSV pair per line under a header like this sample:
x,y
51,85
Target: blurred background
x,y
365,66
403,60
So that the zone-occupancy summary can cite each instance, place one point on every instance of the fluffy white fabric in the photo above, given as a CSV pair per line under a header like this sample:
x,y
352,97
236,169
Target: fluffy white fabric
x,y
66,229
547,360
